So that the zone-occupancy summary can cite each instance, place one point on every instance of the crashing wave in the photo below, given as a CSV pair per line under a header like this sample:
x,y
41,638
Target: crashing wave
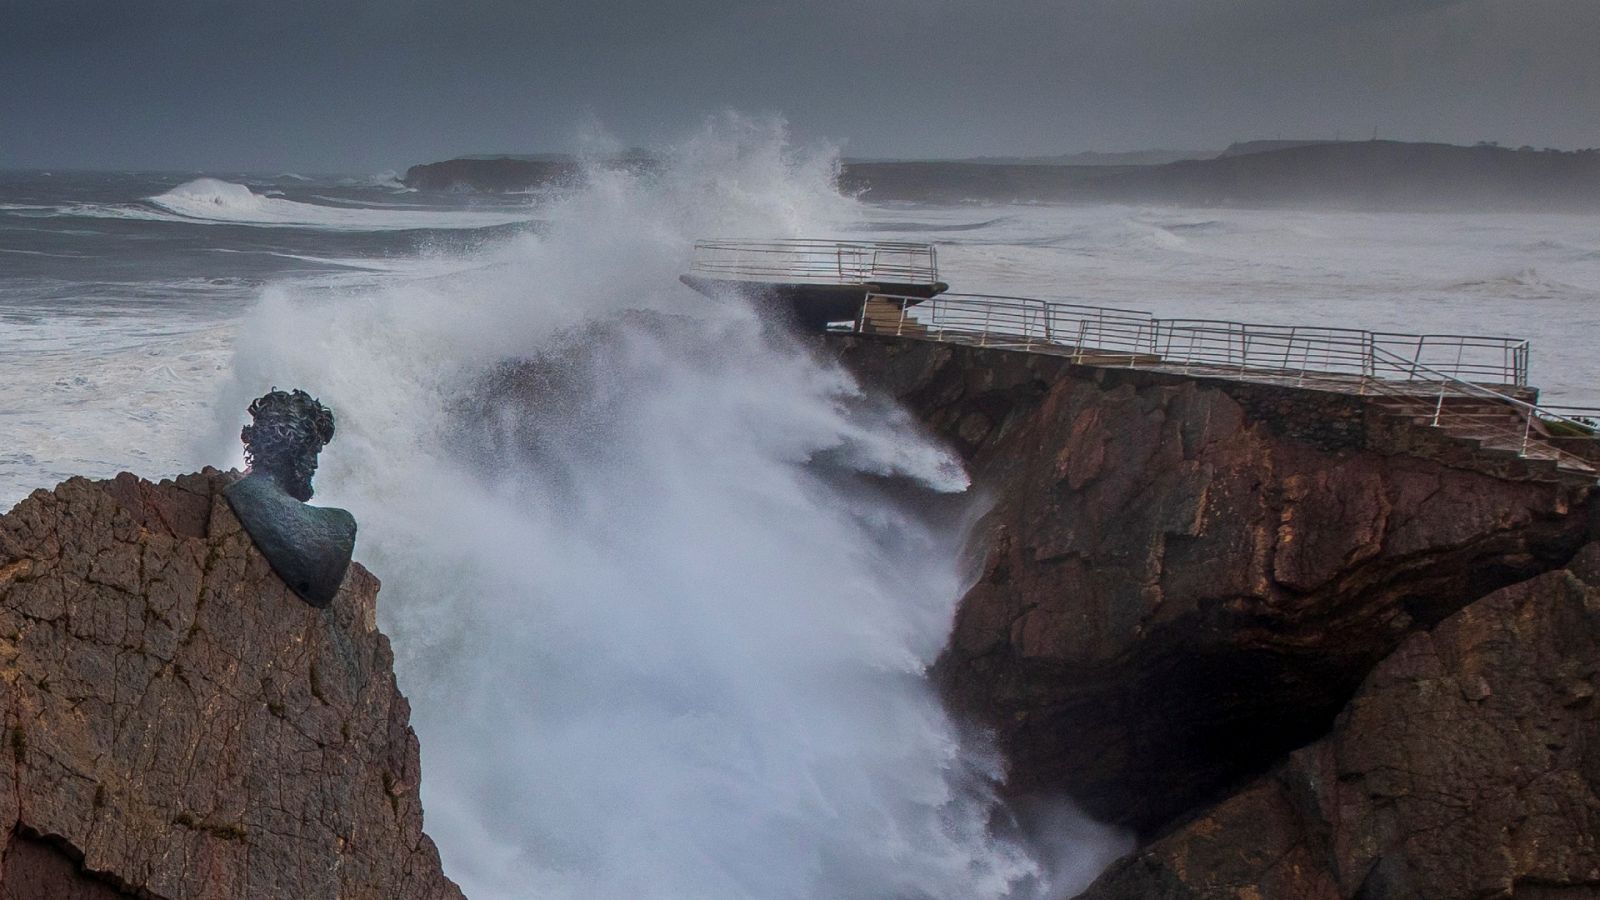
x,y
662,636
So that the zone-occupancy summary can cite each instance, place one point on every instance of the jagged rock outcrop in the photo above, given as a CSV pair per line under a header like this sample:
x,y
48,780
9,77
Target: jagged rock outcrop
x,y
1187,579
177,724
1468,765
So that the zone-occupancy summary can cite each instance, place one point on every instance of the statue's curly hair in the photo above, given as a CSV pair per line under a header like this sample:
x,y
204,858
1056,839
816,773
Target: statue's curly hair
x,y
289,430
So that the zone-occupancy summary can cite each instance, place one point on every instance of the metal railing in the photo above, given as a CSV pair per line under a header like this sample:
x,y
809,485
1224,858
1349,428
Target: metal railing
x,y
1496,419
809,261
1473,386
1276,352
1348,352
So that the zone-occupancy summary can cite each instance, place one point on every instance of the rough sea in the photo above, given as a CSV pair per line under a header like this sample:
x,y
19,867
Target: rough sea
x,y
672,658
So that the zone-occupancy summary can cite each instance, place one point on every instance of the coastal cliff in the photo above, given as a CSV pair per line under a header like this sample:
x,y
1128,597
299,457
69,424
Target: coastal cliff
x,y
179,725
1269,629
1372,175
1300,646
511,174
1368,175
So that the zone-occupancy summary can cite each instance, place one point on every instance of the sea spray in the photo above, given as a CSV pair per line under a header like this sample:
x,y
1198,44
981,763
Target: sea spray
x,y
663,632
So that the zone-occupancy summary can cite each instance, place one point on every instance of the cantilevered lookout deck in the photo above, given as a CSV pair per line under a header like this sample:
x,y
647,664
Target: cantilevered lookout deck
x,y
814,282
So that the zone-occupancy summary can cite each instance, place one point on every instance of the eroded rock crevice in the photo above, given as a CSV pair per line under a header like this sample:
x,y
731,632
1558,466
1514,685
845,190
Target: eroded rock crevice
x,y
36,867
1466,765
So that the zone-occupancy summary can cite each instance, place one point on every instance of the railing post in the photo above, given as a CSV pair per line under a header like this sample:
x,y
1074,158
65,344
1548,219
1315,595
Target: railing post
x,y
1077,351
1527,426
900,328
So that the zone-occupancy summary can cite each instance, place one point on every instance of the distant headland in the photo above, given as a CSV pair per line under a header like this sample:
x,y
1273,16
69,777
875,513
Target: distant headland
x,y
1369,175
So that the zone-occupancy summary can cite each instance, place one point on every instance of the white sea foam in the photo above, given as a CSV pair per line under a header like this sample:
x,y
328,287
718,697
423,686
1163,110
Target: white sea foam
x,y
91,397
660,641
411,266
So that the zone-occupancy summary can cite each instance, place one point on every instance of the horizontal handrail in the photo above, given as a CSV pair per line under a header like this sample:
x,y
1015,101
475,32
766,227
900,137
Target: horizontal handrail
x,y
1517,433
1461,388
1470,384
816,261
1308,351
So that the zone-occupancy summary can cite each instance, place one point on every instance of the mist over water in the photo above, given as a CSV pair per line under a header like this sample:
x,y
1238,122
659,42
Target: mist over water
x,y
663,624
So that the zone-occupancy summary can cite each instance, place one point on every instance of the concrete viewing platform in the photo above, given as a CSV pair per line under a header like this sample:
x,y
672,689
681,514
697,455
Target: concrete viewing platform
x,y
1472,387
815,282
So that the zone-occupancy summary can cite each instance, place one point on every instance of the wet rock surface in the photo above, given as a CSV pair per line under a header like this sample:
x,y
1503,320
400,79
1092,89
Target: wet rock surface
x,y
178,724
1467,765
1184,580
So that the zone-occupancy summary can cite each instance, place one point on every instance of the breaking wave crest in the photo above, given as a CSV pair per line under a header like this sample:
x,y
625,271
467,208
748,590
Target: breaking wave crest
x,y
222,202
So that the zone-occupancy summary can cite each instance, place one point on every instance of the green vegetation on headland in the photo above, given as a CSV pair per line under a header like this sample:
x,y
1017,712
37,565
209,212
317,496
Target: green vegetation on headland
x,y
1354,175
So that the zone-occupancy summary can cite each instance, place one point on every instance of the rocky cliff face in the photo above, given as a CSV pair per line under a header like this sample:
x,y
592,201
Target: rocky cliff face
x,y
1468,765
177,724
1186,580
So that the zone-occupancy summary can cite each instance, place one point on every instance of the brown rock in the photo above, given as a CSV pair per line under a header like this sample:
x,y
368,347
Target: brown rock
x,y
1468,765
1188,578
179,725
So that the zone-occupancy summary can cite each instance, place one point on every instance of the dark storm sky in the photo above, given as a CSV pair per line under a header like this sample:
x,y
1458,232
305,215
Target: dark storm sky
x,y
366,85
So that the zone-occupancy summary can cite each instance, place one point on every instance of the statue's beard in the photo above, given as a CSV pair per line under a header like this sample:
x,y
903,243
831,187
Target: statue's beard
x,y
291,468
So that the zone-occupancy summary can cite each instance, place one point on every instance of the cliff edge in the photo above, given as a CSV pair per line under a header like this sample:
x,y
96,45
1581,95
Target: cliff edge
x,y
177,724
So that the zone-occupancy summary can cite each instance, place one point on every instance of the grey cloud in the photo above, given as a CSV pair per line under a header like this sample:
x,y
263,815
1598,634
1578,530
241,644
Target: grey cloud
x,y
369,84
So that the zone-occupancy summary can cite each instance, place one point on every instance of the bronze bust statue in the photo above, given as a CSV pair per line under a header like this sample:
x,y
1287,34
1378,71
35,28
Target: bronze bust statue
x,y
309,547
